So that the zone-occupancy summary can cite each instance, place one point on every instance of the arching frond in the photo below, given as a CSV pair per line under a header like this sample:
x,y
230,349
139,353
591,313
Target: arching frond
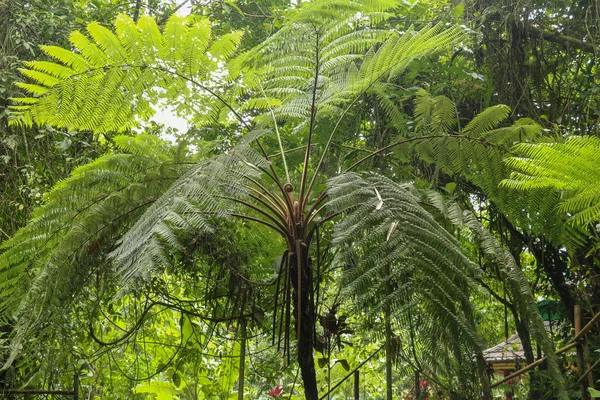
x,y
48,260
517,282
337,57
388,238
434,114
112,81
480,160
208,190
569,167
486,120
125,215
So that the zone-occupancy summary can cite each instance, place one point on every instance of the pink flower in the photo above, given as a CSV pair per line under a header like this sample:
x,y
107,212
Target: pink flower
x,y
275,393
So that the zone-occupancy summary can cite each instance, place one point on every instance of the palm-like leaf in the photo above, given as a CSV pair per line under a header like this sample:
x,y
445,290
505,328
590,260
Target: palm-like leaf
x,y
43,265
112,81
477,152
334,57
213,188
518,286
570,167
388,236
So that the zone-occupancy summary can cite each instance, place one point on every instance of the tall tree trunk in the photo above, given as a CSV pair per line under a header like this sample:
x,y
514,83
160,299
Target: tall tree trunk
x,y
550,259
535,391
136,12
524,335
301,266
417,385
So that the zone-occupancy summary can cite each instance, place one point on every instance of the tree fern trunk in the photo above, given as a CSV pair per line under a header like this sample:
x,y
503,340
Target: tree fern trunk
x,y
305,320
417,385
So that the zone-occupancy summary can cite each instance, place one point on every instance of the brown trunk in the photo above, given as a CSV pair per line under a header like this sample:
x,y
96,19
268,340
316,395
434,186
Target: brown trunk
x,y
535,391
389,388
483,375
306,319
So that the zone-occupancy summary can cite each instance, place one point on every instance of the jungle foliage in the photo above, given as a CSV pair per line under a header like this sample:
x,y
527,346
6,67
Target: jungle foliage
x,y
359,180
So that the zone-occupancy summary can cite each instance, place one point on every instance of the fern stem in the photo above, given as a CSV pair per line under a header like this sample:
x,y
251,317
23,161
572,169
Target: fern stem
x,y
415,139
272,174
273,207
316,204
260,221
328,144
299,288
206,89
311,128
281,152
288,201
276,298
312,217
258,210
288,151
265,192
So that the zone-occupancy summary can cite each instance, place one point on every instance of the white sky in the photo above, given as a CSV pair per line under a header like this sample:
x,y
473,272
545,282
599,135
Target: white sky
x,y
186,9
169,119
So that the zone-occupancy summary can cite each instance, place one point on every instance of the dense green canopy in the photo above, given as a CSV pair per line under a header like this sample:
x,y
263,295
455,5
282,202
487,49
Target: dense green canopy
x,y
357,185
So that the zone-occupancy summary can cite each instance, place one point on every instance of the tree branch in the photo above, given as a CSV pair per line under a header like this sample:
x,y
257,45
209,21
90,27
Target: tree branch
x,y
565,41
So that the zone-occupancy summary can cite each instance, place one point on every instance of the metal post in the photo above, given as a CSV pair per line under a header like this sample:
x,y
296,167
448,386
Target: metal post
x,y
357,385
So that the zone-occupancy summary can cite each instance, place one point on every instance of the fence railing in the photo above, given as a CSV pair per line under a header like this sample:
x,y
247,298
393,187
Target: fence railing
x,y
28,394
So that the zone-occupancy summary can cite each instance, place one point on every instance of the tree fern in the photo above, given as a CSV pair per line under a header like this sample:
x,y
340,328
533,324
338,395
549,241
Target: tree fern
x,y
476,153
335,52
333,57
434,114
213,188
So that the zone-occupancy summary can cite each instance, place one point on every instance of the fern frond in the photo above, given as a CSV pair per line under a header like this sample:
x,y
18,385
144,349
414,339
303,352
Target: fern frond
x,y
112,81
337,56
481,162
391,244
486,120
208,190
390,228
517,281
570,167
434,114
48,260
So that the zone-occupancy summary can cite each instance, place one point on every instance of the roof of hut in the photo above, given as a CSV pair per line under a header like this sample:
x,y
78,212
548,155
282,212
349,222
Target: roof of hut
x,y
507,351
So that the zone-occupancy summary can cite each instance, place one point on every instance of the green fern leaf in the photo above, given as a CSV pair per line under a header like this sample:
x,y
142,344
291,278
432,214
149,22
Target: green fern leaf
x,y
113,81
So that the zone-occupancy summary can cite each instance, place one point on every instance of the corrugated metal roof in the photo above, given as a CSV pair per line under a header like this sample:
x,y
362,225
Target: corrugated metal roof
x,y
507,351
